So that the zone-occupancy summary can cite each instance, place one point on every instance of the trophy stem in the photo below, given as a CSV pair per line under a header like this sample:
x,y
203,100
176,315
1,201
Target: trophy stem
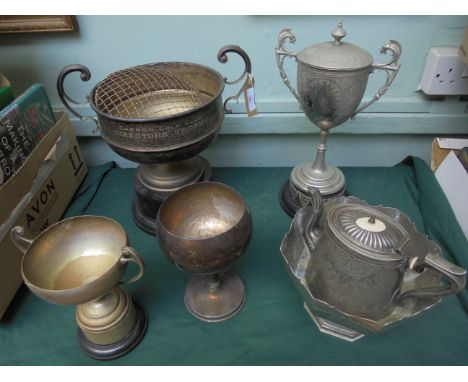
x,y
319,164
155,182
215,297
299,190
214,282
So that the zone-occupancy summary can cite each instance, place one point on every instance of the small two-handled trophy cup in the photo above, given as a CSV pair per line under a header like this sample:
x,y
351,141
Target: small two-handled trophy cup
x,y
81,261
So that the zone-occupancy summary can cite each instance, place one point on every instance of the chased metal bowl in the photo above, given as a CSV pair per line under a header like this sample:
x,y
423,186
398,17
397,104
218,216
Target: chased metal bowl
x,y
204,227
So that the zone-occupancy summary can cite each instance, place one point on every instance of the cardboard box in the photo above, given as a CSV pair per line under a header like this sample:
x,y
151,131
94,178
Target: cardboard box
x,y
37,196
441,147
453,178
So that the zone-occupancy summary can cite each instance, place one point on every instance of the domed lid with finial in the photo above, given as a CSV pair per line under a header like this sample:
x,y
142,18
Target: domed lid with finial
x,y
335,55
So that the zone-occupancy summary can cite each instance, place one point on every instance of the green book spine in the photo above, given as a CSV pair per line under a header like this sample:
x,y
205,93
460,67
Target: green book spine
x,y
23,123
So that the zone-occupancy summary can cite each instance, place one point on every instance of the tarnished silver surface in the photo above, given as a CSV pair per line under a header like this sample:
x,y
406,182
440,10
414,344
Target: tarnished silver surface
x,y
204,228
328,179
81,261
160,114
331,80
335,55
364,268
171,176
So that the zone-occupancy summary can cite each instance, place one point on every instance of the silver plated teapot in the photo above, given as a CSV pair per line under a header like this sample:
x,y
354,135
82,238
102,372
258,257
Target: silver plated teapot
x,y
363,268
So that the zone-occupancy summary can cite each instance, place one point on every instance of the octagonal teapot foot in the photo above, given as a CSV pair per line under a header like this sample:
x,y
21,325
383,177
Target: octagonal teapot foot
x,y
333,329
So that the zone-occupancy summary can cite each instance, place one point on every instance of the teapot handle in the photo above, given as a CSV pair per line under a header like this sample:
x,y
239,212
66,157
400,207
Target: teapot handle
x,y
455,276
223,58
391,69
312,215
282,52
85,75
304,231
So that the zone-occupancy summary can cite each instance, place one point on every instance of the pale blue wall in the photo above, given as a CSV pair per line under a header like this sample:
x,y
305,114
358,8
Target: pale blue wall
x,y
402,123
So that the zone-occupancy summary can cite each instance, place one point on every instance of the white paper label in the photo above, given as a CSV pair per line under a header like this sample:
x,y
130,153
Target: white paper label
x,y
251,99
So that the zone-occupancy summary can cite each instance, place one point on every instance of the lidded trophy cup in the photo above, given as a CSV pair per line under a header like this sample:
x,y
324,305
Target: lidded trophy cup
x,y
331,80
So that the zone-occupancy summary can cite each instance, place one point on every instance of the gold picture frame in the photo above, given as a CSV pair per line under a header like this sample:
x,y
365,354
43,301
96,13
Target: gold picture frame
x,y
28,24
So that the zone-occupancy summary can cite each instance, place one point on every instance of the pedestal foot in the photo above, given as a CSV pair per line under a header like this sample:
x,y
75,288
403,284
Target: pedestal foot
x,y
215,298
120,348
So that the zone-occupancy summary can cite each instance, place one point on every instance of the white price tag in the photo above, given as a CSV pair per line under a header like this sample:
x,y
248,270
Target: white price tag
x,y
249,94
251,99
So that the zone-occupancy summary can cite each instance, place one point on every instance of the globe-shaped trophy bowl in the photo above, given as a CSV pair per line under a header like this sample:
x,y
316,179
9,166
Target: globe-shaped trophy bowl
x,y
203,228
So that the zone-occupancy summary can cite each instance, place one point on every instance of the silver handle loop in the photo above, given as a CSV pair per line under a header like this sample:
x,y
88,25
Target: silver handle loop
x,y
130,255
223,58
21,242
391,69
282,52
85,75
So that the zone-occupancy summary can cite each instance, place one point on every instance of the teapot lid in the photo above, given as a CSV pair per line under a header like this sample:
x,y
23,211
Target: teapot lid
x,y
335,55
364,228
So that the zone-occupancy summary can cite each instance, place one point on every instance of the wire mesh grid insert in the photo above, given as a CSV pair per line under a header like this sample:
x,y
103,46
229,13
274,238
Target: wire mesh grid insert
x,y
146,91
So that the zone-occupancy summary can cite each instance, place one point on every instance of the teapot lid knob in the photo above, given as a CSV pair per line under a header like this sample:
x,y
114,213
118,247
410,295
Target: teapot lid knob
x,y
338,33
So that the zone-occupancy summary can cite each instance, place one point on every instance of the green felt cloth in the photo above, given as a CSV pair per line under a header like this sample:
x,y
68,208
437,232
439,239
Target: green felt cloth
x,y
273,327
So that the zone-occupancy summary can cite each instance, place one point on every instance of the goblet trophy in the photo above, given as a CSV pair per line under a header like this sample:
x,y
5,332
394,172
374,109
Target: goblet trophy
x,y
81,261
331,80
160,115
203,228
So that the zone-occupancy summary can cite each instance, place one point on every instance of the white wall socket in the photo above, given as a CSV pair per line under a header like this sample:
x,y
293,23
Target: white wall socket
x,y
445,73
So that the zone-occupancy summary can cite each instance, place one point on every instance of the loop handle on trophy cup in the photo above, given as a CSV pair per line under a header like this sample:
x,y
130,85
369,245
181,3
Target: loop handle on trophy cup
x,y
391,69
455,276
223,58
85,75
281,53
21,242
130,255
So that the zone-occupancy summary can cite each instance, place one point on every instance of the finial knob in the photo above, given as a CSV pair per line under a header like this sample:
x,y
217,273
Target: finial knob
x,y
339,33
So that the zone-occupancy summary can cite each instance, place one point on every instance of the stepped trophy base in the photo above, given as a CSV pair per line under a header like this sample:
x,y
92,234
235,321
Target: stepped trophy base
x,y
110,326
154,183
121,347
